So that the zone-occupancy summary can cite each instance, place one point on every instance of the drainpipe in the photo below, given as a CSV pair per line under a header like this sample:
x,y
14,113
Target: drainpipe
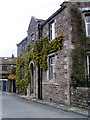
x,y
39,69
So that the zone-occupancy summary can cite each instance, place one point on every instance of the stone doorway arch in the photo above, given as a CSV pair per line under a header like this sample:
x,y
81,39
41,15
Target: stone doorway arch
x,y
32,78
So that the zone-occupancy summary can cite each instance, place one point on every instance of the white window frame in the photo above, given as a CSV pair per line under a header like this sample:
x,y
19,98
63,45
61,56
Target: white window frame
x,y
52,30
52,65
49,66
32,37
88,65
87,23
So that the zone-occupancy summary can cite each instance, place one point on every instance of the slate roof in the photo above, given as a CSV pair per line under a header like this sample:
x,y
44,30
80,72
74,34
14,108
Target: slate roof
x,y
8,60
24,40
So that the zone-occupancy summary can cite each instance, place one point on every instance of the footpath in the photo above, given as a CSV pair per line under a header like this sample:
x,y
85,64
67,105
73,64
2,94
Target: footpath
x,y
61,106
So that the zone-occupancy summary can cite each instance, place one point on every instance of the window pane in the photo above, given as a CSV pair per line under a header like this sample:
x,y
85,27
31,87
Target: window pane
x,y
51,69
53,60
50,26
88,29
89,69
52,30
89,59
32,37
22,72
4,68
54,69
50,34
87,18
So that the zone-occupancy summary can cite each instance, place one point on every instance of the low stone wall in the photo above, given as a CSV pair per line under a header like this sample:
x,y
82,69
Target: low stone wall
x,y
80,97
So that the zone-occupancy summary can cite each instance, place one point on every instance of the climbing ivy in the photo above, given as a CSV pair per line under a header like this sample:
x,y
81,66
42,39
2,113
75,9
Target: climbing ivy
x,y
18,74
21,84
78,55
41,49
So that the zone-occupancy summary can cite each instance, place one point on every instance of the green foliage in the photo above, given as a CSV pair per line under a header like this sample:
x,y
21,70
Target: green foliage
x,y
21,85
18,72
12,77
13,69
43,47
78,55
27,48
78,69
55,44
39,53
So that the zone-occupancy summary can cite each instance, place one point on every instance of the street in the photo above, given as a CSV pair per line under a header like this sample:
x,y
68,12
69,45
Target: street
x,y
15,107
0,105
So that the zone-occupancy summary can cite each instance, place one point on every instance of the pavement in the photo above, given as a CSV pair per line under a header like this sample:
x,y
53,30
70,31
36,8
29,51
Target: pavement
x,y
56,105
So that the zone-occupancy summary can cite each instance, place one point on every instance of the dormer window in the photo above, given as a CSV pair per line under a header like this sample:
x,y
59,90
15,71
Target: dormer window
x,y
87,22
32,36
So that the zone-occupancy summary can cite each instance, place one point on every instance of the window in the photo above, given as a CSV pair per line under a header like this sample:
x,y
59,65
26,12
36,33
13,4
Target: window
x,y
4,68
88,65
23,46
87,22
22,72
52,30
32,36
52,67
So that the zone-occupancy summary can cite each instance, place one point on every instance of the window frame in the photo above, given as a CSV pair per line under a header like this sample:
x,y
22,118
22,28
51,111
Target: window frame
x,y
52,30
22,72
88,65
33,36
23,46
3,68
86,24
52,64
51,75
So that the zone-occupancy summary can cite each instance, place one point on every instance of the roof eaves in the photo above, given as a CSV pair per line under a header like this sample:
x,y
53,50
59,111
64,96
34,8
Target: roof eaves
x,y
25,39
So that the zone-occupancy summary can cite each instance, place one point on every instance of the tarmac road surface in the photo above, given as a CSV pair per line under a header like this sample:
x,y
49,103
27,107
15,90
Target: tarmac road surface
x,y
15,107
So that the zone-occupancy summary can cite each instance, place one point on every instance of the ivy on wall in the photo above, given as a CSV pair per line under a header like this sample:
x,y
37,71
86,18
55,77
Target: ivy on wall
x,y
42,48
12,75
78,76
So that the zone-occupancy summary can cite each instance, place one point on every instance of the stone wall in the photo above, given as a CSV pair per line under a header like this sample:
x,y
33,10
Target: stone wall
x,y
32,30
57,89
80,97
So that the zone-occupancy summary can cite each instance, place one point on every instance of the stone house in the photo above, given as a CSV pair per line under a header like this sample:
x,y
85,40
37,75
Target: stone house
x,y
55,82
5,69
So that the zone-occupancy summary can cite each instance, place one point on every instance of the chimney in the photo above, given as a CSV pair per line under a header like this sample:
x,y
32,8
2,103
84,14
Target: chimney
x,y
12,55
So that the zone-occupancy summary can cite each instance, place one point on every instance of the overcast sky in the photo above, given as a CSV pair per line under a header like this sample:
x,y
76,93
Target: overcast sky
x,y
15,17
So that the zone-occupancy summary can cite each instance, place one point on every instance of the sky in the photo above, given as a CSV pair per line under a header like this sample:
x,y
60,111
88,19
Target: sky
x,y
15,17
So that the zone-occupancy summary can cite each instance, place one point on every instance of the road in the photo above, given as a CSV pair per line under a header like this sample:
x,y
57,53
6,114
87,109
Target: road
x,y
0,105
15,107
